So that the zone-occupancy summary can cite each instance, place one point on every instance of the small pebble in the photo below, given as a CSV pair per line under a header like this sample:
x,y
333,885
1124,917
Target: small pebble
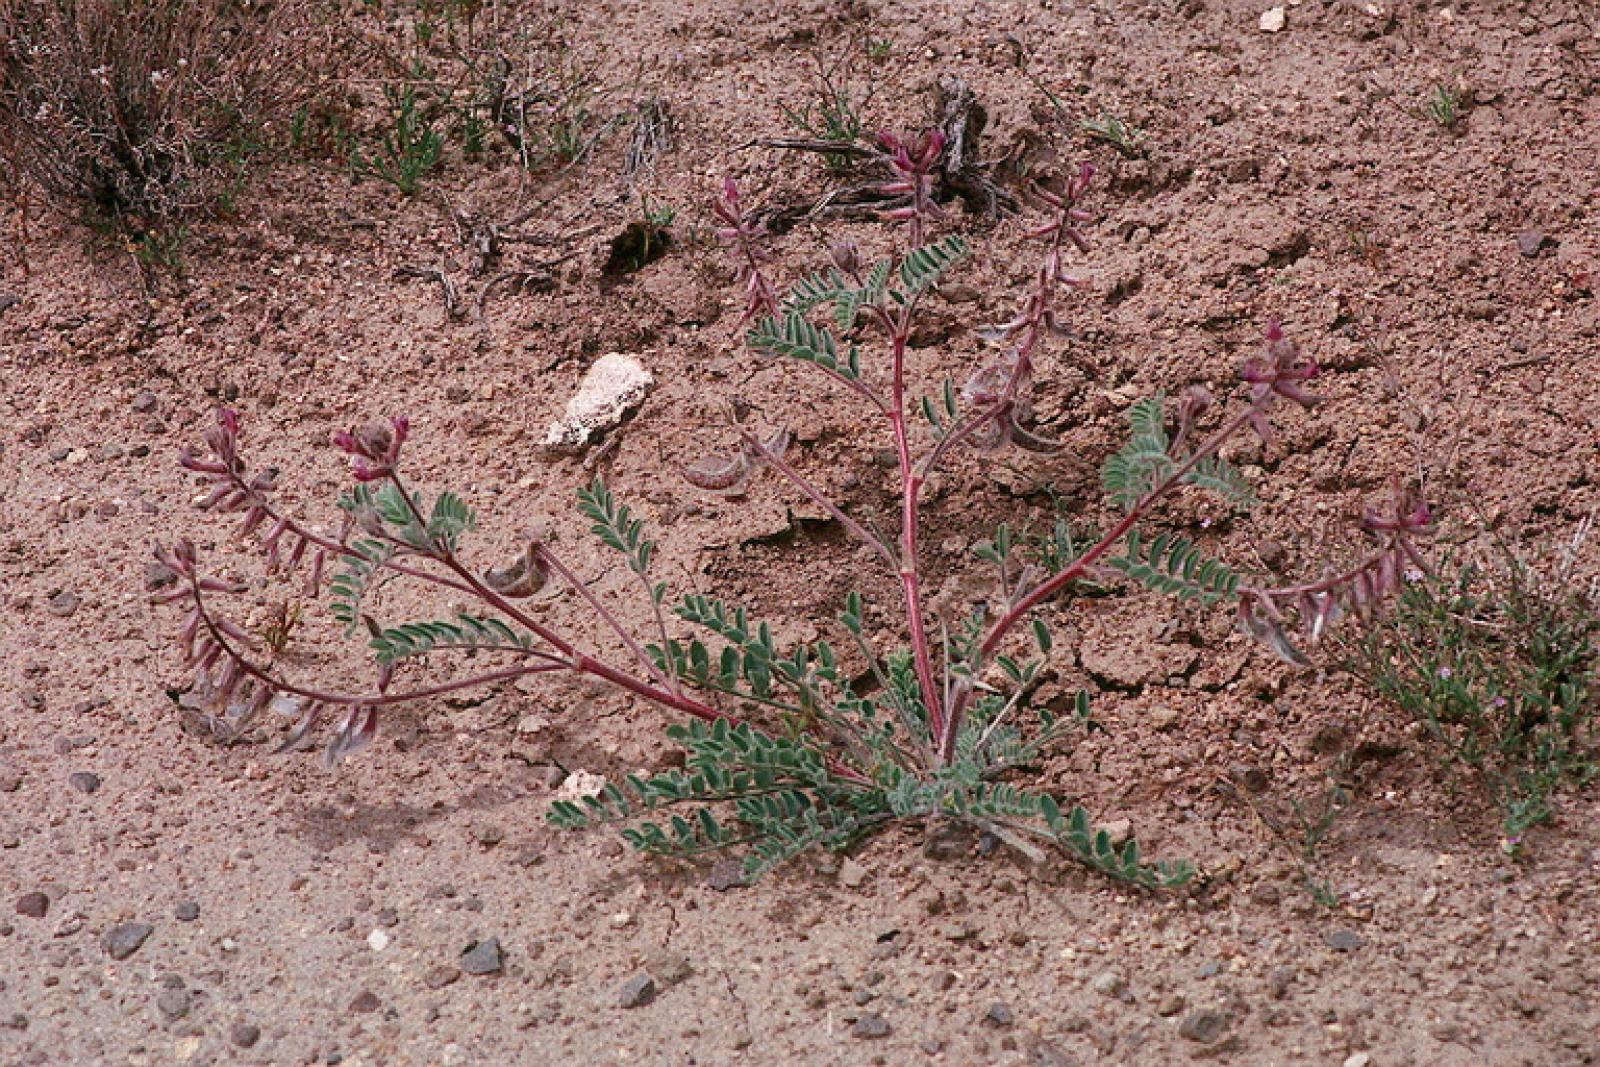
x,y
1203,1027
1531,243
158,576
1109,984
84,781
669,968
637,991
852,874
1343,940
1044,1054
63,604
33,905
174,1003
377,940
187,911
870,1027
441,976
726,875
1279,979
999,1016
245,1035
365,1003
1251,777
124,940
482,958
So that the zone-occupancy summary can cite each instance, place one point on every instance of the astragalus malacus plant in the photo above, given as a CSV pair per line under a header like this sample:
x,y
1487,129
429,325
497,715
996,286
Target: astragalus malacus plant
x,y
808,745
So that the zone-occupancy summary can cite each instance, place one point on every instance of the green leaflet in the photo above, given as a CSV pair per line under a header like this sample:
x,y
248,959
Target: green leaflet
x,y
1145,463
450,519
814,290
1223,478
615,525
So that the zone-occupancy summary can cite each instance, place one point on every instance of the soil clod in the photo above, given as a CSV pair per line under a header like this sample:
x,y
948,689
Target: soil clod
x,y
174,1003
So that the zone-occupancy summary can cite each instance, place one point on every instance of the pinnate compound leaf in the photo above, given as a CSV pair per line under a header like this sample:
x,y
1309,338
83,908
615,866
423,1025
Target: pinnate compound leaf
x,y
815,290
1143,463
1224,479
923,266
794,337
615,525
413,639
1173,565
349,588
450,519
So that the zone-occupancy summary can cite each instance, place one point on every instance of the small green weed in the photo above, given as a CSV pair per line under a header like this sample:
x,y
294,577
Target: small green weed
x,y
833,111
1444,107
1118,133
411,147
160,250
1498,666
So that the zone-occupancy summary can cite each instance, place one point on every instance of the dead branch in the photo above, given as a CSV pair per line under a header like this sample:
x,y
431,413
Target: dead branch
x,y
452,298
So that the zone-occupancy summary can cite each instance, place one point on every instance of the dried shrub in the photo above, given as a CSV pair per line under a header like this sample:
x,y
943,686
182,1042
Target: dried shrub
x,y
141,114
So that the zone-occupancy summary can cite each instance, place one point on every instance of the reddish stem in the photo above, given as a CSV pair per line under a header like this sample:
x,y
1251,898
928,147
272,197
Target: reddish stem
x,y
604,613
373,700
783,467
910,489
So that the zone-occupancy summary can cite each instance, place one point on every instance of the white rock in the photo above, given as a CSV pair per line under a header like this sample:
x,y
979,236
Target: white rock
x,y
377,941
1360,1059
613,386
1273,19
580,784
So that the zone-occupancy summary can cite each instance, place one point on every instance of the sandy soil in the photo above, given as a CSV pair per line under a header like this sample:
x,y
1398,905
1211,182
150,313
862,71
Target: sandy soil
x,y
301,915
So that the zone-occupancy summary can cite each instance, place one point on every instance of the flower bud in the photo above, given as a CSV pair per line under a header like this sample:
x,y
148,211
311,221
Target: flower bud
x,y
847,257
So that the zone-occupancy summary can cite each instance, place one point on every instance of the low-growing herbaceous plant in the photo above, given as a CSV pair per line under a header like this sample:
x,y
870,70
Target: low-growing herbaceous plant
x,y
816,744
